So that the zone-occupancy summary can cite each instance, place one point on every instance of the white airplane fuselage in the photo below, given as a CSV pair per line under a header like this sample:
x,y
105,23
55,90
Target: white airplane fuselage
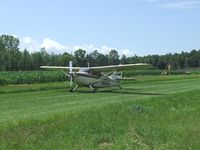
x,y
86,79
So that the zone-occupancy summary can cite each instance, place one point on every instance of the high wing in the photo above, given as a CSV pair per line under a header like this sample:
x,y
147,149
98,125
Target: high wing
x,y
59,68
139,66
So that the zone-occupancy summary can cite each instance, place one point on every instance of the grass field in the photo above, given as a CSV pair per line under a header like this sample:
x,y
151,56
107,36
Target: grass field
x,y
151,112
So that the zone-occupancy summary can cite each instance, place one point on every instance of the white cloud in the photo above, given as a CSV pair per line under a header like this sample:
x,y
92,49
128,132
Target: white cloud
x,y
29,43
132,1
151,1
127,52
52,46
182,4
27,40
172,4
55,47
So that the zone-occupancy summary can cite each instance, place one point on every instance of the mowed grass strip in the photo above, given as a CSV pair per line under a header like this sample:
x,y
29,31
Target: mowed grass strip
x,y
142,116
40,105
166,122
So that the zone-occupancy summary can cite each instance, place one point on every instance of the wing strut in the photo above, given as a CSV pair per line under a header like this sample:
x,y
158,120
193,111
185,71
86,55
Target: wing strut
x,y
73,89
106,75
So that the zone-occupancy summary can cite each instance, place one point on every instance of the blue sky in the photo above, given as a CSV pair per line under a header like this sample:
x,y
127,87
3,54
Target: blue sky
x,y
138,27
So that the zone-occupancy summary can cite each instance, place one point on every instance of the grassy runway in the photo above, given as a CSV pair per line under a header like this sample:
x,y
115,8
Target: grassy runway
x,y
151,112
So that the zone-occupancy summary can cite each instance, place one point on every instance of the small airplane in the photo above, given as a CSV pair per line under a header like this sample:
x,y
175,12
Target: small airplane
x,y
96,77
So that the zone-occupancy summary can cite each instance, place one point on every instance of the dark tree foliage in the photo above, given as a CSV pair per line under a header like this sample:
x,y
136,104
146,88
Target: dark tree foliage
x,y
9,53
91,58
26,60
11,58
97,59
113,57
80,58
124,60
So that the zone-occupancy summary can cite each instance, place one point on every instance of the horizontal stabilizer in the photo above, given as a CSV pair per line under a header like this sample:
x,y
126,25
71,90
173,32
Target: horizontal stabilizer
x,y
126,79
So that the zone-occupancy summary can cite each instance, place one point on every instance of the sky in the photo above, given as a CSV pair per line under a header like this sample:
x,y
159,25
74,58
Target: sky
x,y
140,27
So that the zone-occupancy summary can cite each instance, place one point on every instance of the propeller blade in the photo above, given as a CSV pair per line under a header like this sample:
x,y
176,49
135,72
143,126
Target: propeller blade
x,y
71,82
70,67
71,74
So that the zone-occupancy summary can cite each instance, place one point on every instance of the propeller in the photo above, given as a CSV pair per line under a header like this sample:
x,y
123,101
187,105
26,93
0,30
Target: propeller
x,y
71,74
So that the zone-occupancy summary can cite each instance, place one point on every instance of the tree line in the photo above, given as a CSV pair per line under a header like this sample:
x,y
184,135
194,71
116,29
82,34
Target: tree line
x,y
13,59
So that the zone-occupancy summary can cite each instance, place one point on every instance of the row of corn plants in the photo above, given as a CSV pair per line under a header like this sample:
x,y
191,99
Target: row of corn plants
x,y
30,77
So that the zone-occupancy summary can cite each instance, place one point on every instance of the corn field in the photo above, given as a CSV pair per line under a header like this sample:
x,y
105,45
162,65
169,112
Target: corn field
x,y
29,77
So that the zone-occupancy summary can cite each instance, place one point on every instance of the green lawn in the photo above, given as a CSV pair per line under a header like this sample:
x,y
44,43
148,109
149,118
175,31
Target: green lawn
x,y
151,112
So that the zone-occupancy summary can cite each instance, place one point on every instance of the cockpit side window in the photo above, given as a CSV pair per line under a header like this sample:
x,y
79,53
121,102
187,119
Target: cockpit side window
x,y
91,72
97,73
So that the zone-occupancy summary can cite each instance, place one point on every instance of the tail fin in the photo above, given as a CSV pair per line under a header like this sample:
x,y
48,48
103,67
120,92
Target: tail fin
x,y
116,75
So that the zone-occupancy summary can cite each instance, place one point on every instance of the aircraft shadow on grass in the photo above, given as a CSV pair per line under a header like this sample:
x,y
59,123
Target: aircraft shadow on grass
x,y
131,91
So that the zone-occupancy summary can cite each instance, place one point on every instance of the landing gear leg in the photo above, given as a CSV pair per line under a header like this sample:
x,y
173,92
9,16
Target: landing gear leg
x,y
73,89
95,90
92,88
